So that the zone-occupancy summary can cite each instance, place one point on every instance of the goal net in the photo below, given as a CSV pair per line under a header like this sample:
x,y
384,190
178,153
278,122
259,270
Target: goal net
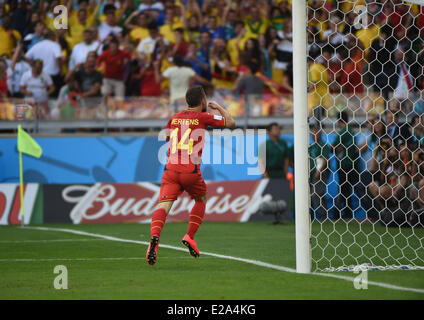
x,y
366,123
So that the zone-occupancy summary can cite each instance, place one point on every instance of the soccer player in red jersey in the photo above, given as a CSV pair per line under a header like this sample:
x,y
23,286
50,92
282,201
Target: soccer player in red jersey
x,y
185,132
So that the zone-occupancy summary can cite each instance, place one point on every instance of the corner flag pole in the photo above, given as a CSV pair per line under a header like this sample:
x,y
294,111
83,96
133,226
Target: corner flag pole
x,y
21,188
26,144
301,138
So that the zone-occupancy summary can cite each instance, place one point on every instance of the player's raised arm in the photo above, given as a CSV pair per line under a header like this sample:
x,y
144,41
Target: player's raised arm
x,y
229,121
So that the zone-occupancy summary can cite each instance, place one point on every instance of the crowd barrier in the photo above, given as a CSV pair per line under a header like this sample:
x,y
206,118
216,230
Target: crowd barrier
x,y
130,112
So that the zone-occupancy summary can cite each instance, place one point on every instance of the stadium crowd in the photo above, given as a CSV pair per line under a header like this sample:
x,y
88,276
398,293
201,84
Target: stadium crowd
x,y
135,48
132,48
148,51
373,66
382,165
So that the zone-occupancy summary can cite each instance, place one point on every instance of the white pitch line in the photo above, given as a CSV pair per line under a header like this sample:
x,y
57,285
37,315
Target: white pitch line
x,y
84,259
249,261
48,240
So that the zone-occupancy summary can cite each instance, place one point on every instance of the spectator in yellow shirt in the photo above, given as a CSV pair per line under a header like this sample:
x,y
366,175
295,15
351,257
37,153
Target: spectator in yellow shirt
x,y
78,24
9,37
256,24
192,9
139,30
319,95
192,30
223,72
368,33
91,8
236,44
171,23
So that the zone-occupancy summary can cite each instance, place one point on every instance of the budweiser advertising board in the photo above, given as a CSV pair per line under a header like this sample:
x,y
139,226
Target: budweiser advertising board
x,y
10,203
116,203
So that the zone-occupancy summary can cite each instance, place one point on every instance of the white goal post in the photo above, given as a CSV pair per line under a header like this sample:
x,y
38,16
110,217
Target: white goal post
x,y
301,138
358,85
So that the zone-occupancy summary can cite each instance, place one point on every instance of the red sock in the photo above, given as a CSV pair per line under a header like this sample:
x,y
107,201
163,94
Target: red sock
x,y
158,221
196,218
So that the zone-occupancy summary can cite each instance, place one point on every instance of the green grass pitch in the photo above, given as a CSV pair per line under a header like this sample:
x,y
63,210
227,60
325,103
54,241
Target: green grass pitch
x,y
106,269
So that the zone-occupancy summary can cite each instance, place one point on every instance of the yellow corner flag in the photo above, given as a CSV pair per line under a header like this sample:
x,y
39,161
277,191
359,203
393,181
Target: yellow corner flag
x,y
26,144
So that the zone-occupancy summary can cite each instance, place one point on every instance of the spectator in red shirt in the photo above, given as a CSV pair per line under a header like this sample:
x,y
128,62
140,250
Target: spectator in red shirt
x,y
420,21
180,47
114,61
3,79
150,79
351,73
397,16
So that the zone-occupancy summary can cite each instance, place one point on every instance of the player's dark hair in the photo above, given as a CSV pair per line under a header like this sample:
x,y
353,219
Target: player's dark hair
x,y
195,96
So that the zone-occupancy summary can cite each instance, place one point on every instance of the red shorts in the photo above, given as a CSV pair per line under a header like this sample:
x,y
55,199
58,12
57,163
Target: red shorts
x,y
174,183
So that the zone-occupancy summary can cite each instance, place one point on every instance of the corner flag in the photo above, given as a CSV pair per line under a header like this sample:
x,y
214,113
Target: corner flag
x,y
26,144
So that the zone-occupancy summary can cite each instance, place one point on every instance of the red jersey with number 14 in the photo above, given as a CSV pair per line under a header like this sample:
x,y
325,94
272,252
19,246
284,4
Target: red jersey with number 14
x,y
186,131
